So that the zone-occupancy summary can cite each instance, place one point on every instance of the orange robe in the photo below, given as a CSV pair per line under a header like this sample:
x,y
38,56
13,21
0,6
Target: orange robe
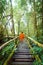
x,y
21,36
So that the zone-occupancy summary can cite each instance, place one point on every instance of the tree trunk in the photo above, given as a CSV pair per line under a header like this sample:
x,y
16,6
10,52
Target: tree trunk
x,y
13,29
42,17
28,27
35,21
18,27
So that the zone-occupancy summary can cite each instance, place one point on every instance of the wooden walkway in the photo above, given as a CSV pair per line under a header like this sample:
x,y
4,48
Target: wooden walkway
x,y
22,55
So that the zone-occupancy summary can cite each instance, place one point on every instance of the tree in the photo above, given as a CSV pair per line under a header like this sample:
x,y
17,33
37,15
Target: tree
x,y
2,6
42,17
13,29
35,20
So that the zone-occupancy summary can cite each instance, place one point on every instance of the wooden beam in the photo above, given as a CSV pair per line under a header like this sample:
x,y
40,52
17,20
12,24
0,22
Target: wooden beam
x,y
9,57
6,43
35,42
36,56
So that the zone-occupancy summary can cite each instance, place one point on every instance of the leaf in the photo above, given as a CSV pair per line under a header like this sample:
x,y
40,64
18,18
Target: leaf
x,y
1,62
37,49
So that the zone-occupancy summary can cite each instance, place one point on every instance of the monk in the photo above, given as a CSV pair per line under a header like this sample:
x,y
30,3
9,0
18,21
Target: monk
x,y
21,36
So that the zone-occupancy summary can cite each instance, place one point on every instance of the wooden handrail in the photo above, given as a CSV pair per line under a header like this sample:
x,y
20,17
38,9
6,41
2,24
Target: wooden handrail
x,y
9,57
3,45
36,56
35,42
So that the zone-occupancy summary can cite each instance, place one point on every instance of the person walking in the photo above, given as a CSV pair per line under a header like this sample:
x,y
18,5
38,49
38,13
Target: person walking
x,y
21,36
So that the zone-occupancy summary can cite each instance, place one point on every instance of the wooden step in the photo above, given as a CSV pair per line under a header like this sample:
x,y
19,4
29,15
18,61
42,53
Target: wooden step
x,y
21,63
23,60
24,53
23,50
22,56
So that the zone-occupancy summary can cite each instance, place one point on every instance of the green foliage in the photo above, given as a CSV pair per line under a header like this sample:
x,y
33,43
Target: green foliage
x,y
5,39
8,48
2,6
40,39
6,51
23,2
1,33
41,57
36,63
38,51
24,13
38,6
1,62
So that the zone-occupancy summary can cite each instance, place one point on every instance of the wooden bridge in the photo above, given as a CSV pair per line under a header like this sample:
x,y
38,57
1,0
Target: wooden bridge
x,y
23,54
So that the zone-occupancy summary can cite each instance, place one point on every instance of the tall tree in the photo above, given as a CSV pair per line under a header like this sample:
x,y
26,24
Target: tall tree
x,y
35,20
18,27
19,19
27,17
42,17
13,29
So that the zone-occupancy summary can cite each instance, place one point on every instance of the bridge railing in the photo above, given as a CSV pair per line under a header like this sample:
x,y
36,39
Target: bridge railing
x,y
12,51
33,51
5,44
35,42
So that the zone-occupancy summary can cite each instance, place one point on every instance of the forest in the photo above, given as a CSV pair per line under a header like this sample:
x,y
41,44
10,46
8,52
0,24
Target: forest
x,y
17,16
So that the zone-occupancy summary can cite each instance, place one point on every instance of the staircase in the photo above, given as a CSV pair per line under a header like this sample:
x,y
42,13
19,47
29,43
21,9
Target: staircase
x,y
22,56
